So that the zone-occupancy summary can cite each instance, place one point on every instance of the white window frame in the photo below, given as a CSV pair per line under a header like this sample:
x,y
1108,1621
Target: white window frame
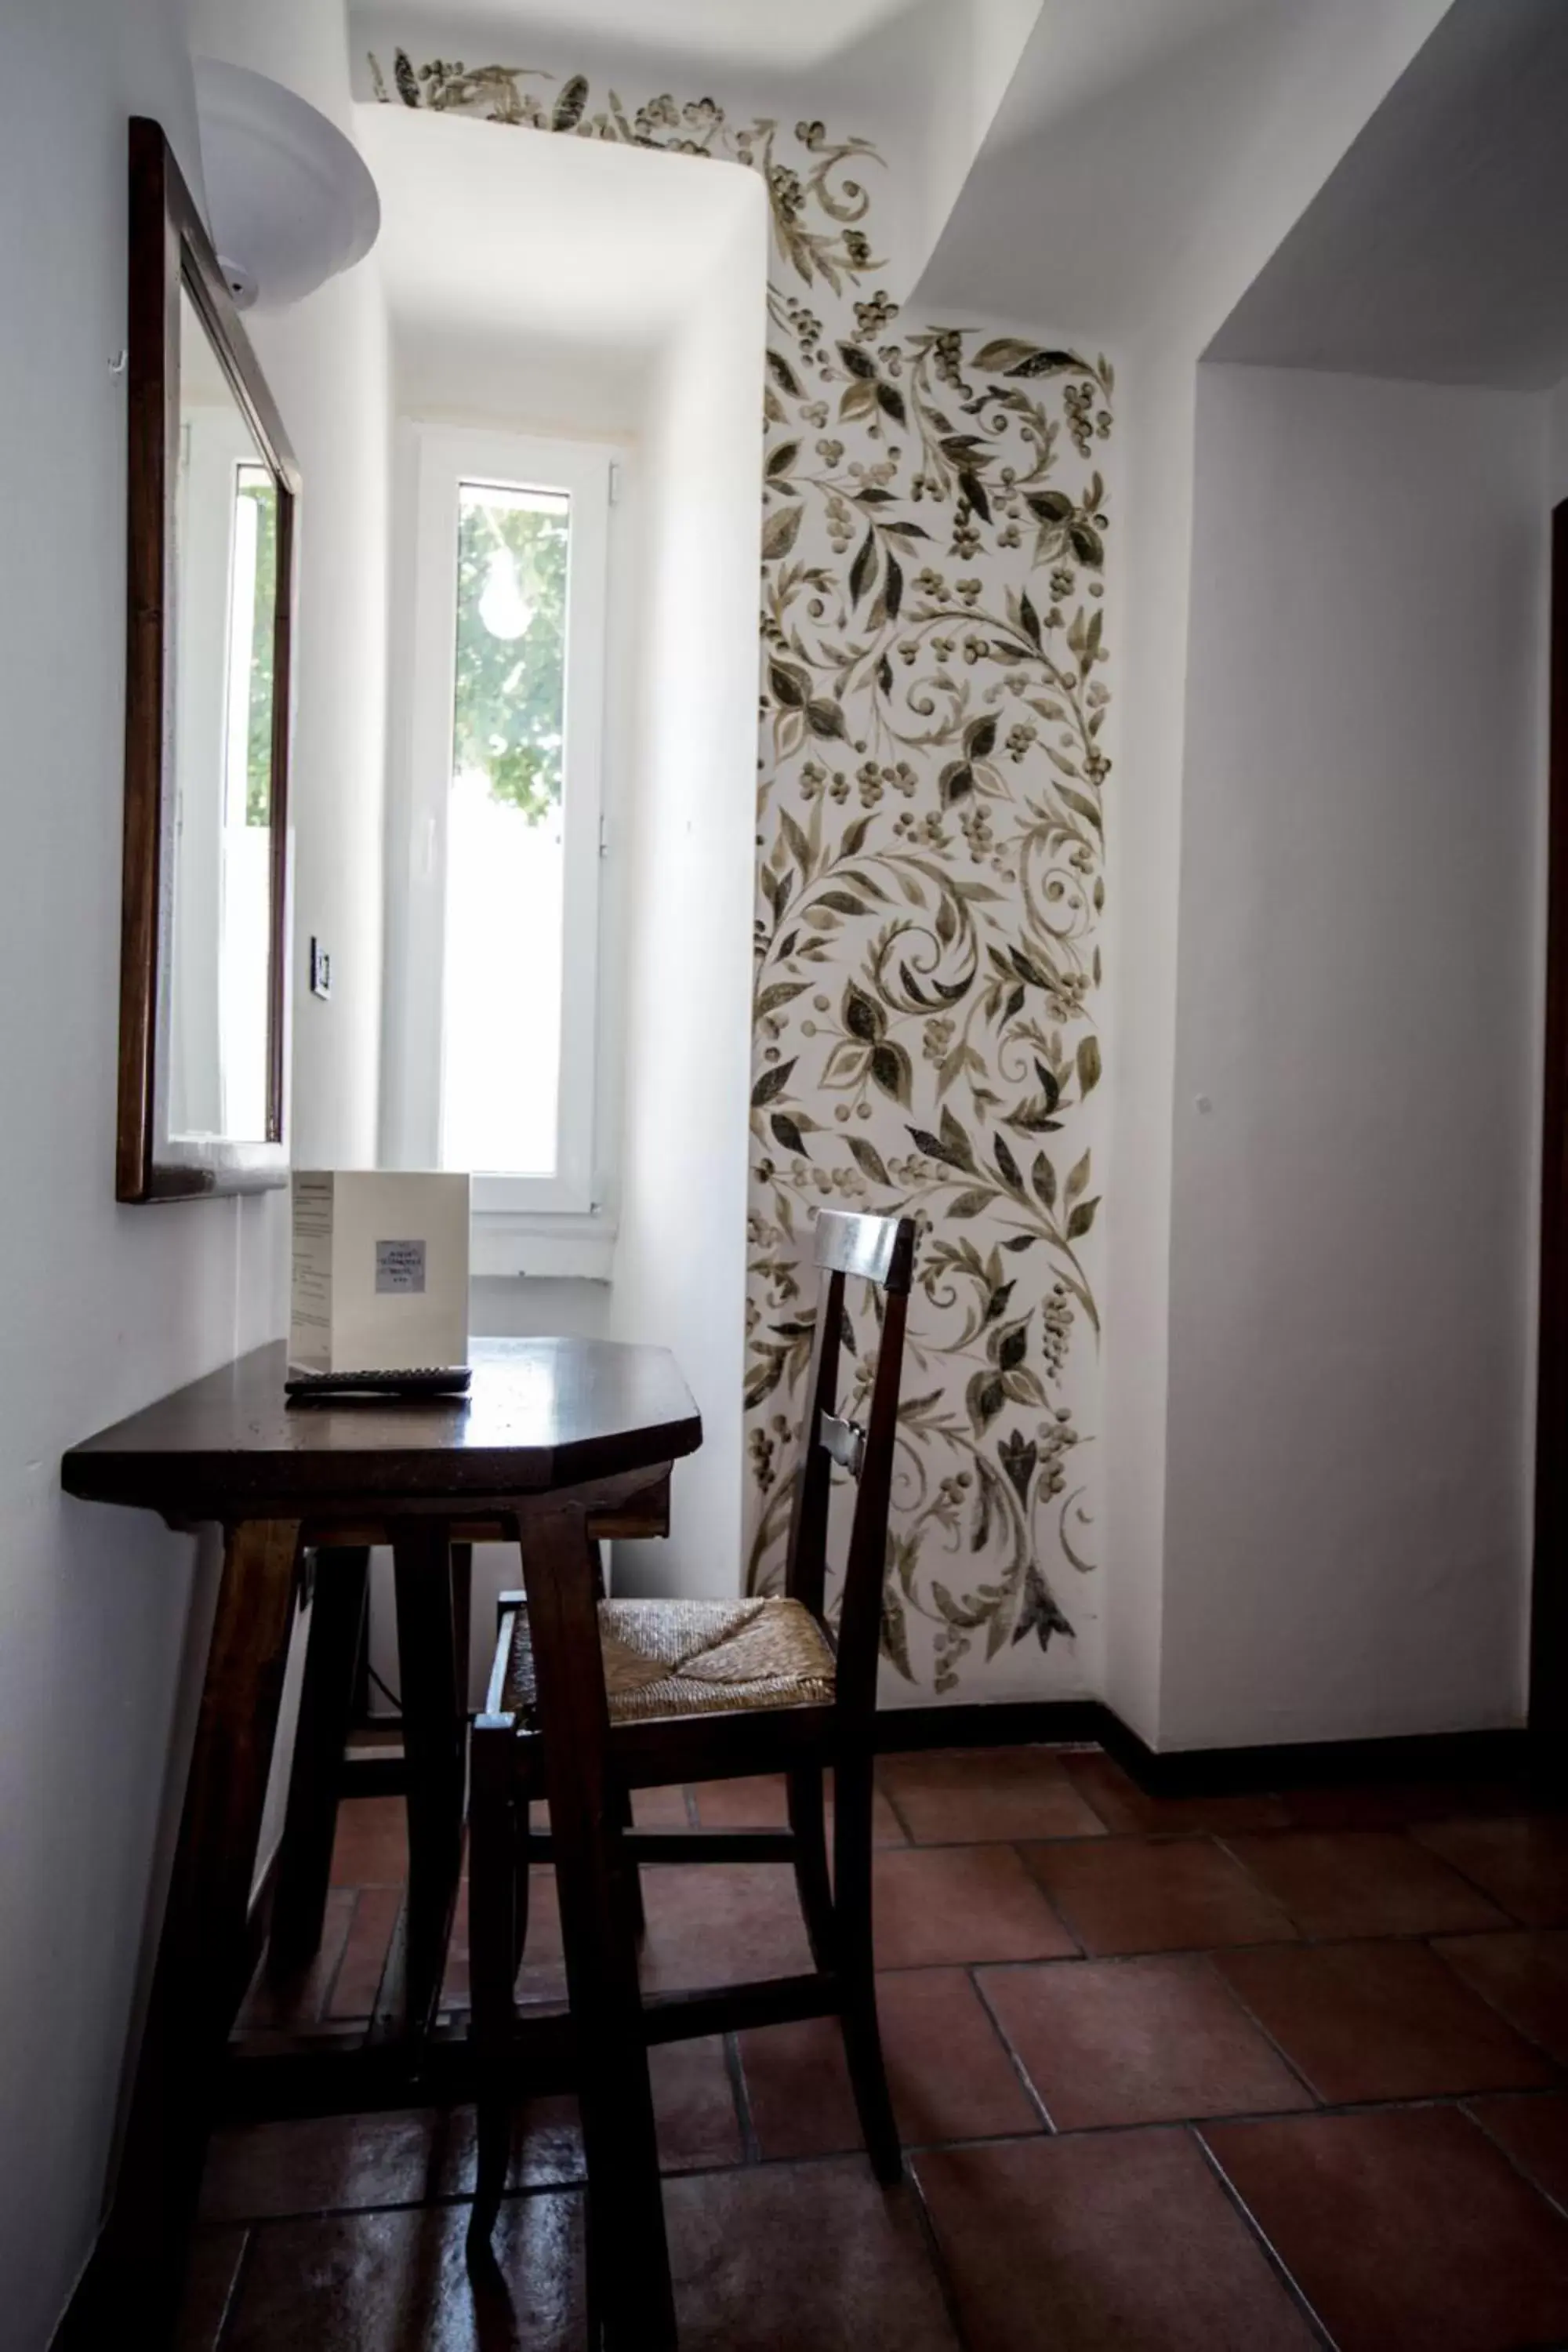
x,y
446,457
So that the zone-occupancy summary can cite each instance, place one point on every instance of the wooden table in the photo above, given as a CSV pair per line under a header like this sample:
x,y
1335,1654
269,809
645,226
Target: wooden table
x,y
558,1438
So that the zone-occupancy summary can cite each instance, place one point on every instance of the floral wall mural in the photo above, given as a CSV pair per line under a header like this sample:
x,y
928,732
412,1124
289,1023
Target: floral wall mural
x,y
931,797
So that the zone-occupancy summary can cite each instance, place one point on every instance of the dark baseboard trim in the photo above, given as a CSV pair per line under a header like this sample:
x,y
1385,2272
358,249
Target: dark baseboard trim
x,y
1314,1763
1204,1771
1010,1723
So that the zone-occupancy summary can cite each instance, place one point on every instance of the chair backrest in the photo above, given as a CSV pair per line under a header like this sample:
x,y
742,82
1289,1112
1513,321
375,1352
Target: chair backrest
x,y
880,1250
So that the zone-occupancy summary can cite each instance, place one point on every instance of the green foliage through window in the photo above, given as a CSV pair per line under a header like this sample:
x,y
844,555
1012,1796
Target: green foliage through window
x,y
256,485
508,702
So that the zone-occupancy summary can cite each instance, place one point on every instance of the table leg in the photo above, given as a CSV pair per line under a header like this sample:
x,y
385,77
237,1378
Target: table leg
x,y
630,2295
432,1744
133,2290
462,1615
326,1702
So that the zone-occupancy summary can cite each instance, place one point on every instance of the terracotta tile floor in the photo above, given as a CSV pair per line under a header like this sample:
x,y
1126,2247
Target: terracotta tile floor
x,y
1229,2074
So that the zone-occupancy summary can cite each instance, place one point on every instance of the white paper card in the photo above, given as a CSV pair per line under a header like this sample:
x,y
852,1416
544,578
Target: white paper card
x,y
381,1270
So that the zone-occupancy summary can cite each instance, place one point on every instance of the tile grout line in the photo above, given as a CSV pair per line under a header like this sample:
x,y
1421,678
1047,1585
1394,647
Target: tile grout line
x,y
1558,2204
324,2012
1531,2040
232,2299
449,2200
1405,1831
750,2146
945,2284
1514,1921
1261,2238
1022,2072
1246,2010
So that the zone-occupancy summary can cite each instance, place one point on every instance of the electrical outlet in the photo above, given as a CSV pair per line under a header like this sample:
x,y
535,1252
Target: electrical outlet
x,y
321,971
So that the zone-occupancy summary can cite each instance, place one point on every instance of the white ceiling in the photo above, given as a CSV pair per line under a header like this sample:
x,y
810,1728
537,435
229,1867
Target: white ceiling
x,y
1438,248
729,37
511,235
1100,156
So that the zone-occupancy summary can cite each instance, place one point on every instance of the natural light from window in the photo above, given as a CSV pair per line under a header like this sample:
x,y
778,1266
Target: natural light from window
x,y
502,1005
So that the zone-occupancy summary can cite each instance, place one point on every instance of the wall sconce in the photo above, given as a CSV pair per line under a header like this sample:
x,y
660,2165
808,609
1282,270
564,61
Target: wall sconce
x,y
290,200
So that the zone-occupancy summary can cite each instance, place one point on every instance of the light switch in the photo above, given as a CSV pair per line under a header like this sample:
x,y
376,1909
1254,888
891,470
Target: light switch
x,y
321,971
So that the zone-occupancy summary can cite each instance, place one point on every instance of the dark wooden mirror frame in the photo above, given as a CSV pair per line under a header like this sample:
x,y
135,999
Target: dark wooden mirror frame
x,y
169,245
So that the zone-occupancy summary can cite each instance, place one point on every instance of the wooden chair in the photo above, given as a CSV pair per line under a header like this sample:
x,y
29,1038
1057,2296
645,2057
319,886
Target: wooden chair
x,y
711,1690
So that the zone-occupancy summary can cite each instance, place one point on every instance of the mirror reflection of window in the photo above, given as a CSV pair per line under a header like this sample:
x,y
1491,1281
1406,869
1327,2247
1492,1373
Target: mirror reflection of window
x,y
226,575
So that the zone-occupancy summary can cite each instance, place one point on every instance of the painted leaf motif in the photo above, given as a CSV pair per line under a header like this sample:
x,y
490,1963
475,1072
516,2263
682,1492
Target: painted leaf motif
x,y
1088,1065
1009,1167
787,1132
825,719
1078,1179
864,566
1010,355
1039,1614
781,532
1081,1219
890,1069
569,106
1087,544
896,1635
789,686
771,1083
984,1398
863,1015
974,489
955,1144
1019,1458
868,1159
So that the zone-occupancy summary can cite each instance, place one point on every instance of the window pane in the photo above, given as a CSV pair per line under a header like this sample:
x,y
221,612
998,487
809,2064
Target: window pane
x,y
502,1008
245,965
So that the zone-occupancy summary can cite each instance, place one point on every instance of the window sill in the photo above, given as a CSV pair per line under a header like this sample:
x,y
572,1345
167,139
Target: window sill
x,y
510,1242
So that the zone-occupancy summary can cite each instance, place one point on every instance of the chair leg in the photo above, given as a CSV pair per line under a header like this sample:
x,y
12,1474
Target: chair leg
x,y
622,1801
808,1827
522,1863
495,1850
852,1912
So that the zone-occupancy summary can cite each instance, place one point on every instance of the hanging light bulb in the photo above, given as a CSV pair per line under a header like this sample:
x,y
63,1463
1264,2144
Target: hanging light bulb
x,y
503,608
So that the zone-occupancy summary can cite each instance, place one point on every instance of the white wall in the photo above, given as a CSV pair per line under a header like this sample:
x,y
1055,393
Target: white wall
x,y
1342,57
327,362
680,1269
1352,1219
104,1614
106,1307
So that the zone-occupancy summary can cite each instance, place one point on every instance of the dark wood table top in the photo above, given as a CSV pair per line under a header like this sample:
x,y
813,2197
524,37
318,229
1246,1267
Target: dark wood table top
x,y
542,1415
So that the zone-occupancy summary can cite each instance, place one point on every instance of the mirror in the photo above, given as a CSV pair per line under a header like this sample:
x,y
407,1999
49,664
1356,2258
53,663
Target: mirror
x,y
226,598
211,499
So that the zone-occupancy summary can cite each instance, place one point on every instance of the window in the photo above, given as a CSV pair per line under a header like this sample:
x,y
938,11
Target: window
x,y
226,523
500,982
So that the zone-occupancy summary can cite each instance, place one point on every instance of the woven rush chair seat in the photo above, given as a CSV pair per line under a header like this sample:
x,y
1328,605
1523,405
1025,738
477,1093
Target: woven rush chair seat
x,y
694,1657
700,1690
